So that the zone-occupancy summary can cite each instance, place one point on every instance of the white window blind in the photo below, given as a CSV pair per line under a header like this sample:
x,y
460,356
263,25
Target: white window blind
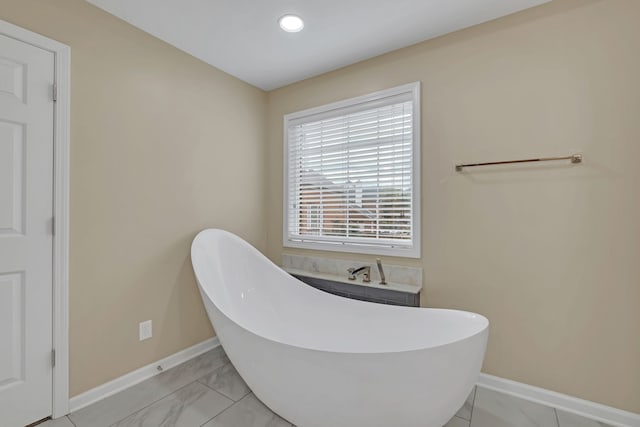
x,y
351,175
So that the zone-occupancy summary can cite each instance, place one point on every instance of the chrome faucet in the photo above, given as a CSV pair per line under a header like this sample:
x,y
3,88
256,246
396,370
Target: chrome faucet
x,y
364,270
383,280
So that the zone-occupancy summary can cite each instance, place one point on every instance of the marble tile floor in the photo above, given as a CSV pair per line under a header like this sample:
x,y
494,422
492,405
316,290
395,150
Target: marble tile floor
x,y
208,392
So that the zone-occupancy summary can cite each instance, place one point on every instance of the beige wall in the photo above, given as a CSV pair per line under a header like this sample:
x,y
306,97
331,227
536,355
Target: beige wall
x,y
550,254
160,145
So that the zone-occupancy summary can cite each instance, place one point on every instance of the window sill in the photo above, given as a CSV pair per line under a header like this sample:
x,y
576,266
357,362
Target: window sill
x,y
413,252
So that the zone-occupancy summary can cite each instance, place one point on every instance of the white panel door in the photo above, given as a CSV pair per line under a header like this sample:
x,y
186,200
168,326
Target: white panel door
x,y
26,206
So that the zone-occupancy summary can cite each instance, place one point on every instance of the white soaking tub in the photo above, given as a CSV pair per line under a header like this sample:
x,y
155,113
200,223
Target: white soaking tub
x,y
321,360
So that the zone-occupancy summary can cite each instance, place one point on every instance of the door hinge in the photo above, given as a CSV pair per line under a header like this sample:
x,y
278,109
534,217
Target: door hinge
x,y
53,358
54,91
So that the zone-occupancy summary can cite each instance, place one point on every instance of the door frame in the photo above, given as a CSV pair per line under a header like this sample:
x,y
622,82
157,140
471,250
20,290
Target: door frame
x,y
61,134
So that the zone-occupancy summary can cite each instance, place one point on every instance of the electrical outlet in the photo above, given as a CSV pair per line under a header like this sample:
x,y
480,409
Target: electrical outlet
x,y
145,330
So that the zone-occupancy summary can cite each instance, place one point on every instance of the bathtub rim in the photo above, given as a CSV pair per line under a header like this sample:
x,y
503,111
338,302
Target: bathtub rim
x,y
480,319
324,350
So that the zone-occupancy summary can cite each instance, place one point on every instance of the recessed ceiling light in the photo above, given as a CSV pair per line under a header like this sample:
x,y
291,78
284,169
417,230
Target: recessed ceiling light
x,y
291,23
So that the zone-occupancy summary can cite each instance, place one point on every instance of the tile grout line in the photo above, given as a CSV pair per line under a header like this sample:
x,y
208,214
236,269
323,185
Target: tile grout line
x,y
555,411
225,409
137,410
70,420
473,403
150,404
221,393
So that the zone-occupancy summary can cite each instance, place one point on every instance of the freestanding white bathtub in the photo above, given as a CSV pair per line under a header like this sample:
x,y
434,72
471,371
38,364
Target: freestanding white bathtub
x,y
321,360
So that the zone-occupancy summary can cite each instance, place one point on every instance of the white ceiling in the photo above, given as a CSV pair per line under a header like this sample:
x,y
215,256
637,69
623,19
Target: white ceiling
x,y
242,37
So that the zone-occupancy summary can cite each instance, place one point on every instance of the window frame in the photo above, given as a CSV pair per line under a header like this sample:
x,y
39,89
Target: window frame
x,y
334,245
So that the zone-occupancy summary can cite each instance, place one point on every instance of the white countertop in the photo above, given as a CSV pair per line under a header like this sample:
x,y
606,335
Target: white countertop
x,y
390,286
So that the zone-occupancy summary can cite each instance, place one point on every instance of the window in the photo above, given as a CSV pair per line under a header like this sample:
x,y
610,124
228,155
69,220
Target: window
x,y
352,175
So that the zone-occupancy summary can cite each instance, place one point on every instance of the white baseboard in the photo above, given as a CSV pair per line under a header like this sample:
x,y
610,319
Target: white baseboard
x,y
139,375
586,408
